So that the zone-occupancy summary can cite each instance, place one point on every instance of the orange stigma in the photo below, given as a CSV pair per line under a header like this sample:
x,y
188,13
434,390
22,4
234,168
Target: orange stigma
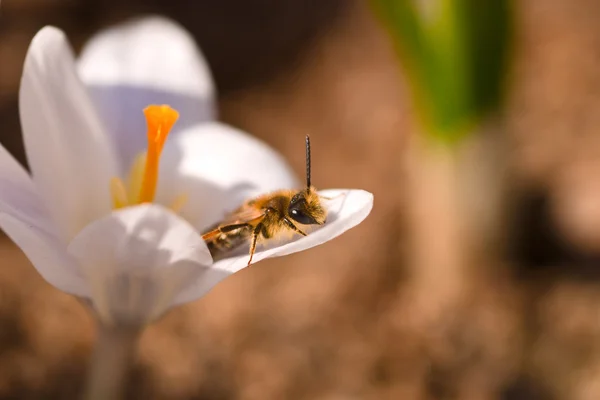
x,y
160,120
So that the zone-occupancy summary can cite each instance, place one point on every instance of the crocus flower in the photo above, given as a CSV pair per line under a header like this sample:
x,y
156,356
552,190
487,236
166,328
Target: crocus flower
x,y
114,216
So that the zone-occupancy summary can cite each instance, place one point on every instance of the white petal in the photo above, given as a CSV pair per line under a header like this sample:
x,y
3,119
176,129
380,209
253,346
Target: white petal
x,y
11,169
218,167
25,220
18,196
70,156
150,60
347,209
138,259
47,253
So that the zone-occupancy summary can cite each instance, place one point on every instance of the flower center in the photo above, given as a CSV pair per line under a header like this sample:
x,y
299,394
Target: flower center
x,y
143,177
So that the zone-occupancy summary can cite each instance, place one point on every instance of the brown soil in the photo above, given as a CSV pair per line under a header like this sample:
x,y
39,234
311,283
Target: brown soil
x,y
337,322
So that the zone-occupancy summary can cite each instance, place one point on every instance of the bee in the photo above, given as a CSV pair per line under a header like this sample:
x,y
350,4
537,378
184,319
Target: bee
x,y
268,216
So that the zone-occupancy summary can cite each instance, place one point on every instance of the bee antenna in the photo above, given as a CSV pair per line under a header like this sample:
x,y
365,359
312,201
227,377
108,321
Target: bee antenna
x,y
307,161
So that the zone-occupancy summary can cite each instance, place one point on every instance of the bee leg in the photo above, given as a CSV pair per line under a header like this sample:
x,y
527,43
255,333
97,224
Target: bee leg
x,y
255,234
293,227
229,228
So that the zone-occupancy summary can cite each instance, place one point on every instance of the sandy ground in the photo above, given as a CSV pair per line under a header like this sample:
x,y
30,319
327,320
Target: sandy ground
x,y
335,322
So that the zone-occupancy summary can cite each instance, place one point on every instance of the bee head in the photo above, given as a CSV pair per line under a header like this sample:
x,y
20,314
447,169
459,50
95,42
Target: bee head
x,y
306,208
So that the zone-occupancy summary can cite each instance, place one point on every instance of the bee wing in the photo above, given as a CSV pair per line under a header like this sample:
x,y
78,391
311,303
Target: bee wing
x,y
245,216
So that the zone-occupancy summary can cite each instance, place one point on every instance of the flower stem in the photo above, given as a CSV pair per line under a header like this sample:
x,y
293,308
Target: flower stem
x,y
111,362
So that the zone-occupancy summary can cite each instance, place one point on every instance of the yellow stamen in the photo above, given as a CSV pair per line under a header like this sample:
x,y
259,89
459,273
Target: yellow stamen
x,y
178,203
118,193
136,176
160,120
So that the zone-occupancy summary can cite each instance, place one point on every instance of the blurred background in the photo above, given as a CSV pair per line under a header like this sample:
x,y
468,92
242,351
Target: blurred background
x,y
477,275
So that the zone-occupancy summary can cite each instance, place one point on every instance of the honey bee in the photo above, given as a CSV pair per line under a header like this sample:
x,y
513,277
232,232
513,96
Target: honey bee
x,y
268,216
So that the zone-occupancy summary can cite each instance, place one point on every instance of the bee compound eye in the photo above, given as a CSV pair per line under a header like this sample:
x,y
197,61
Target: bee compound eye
x,y
301,217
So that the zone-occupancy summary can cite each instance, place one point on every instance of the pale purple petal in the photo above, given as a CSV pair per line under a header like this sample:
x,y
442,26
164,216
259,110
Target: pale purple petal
x,y
150,60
